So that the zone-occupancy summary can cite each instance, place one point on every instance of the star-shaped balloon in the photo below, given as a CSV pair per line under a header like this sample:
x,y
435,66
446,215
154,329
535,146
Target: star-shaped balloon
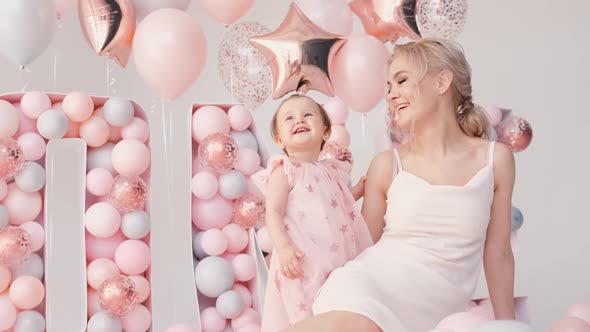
x,y
388,20
299,54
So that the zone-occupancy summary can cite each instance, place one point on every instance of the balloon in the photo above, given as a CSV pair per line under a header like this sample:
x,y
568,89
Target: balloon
x,y
218,152
144,7
337,110
516,132
15,246
244,71
505,326
12,158
331,15
441,19
516,218
226,11
462,322
170,51
570,324
232,184
62,7
388,20
362,59
299,54
128,193
118,111
117,296
108,26
580,310
249,210
214,276
101,322
27,29
29,321
230,304
494,114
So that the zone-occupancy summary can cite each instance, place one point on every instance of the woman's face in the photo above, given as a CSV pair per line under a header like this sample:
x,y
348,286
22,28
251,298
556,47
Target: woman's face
x,y
411,93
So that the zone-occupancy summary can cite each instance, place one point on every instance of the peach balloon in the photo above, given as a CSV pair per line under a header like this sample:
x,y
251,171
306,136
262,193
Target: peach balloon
x,y
130,157
5,277
34,103
93,302
237,237
36,234
99,270
245,293
95,131
138,128
133,257
26,292
570,324
73,129
580,310
102,247
138,320
142,286
99,181
115,134
8,311
102,220
226,11
248,317
33,146
22,206
78,106
9,119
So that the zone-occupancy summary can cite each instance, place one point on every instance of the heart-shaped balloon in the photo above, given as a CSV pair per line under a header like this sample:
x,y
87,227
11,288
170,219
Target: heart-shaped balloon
x,y
108,26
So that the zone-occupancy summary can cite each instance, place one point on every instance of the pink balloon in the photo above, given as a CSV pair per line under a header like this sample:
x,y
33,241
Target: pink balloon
x,y
181,328
248,161
580,310
340,135
494,114
249,328
63,6
208,120
26,292
211,321
22,206
333,16
239,117
115,134
102,220
138,128
249,210
142,285
7,313
99,270
337,110
25,124
99,181
73,129
570,324
133,257
3,189
36,234
204,185
214,242
218,152
131,157
462,322
264,239
363,58
33,146
244,293
117,296
34,103
15,246
244,267
212,213
138,320
95,131
170,50
102,247
226,11
8,119
92,302
248,317
5,277
78,106
237,238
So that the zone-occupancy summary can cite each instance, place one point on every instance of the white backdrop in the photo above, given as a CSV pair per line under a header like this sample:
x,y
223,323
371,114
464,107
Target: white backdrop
x,y
527,55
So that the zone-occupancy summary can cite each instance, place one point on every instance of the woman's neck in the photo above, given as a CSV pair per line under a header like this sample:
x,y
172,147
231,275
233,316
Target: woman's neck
x,y
440,135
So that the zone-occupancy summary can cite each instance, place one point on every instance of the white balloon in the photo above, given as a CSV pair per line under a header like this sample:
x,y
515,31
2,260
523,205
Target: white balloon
x,y
33,267
214,276
118,111
505,326
230,304
31,178
144,7
52,124
232,184
27,29
245,139
102,322
101,157
29,321
136,225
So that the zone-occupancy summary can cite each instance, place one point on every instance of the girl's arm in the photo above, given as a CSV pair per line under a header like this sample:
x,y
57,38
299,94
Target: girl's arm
x,y
498,259
276,205
379,179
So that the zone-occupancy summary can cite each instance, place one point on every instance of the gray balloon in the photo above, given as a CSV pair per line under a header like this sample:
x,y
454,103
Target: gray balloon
x,y
27,29
3,216
52,124
232,184
230,304
516,219
245,139
101,158
118,111
197,249
136,225
102,322
214,276
33,267
31,178
505,326
29,321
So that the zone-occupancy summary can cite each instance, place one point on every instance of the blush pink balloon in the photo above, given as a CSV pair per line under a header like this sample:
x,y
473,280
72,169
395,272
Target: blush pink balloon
x,y
363,58
133,257
237,238
92,302
214,242
95,131
244,293
102,247
36,234
34,103
33,146
212,213
170,51
99,181
102,220
340,135
115,134
8,119
239,117
264,239
63,6
244,267
78,106
462,322
580,310
12,158
130,157
337,110
226,11
494,114
248,161
331,15
249,210
99,270
181,328
73,129
25,124
138,128
138,320
218,152
22,206
26,292
8,311
142,285
208,120
117,296
128,193
248,317
204,185
211,321
570,324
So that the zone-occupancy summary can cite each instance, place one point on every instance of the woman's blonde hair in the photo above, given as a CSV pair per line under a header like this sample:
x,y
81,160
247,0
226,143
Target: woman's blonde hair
x,y
441,54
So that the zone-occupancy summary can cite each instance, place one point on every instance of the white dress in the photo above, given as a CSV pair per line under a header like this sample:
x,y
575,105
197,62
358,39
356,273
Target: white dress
x,y
428,261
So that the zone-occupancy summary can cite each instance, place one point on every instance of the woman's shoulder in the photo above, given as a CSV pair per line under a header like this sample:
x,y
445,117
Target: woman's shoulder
x,y
382,163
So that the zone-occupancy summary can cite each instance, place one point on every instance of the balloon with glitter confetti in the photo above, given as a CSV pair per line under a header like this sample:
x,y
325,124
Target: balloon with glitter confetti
x,y
117,295
15,246
128,193
12,158
249,210
441,18
218,152
516,132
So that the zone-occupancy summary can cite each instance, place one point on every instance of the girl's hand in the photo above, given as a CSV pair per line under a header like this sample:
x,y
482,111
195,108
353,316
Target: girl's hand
x,y
358,190
289,258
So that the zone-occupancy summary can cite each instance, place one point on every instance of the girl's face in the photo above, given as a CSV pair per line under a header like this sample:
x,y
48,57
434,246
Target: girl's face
x,y
300,126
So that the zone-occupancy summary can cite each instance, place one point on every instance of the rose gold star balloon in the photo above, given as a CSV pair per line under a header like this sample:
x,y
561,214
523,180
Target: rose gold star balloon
x,y
515,132
117,295
15,246
108,26
388,20
299,54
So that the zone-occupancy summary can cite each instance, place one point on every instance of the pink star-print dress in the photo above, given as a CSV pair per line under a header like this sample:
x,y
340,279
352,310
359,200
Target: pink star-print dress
x,y
322,221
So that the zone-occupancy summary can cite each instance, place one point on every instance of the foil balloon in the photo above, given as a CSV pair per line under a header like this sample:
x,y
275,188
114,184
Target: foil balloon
x,y
299,54
388,20
515,132
108,26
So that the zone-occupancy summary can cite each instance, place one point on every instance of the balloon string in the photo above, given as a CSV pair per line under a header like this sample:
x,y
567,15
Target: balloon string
x,y
166,130
111,80
24,78
363,123
56,56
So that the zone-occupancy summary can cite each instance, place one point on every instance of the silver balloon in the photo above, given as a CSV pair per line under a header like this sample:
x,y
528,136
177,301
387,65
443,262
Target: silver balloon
x,y
33,267
245,139
102,322
29,321
26,29
232,184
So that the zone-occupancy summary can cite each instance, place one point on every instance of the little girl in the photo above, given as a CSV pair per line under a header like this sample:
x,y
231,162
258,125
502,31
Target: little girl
x,y
310,213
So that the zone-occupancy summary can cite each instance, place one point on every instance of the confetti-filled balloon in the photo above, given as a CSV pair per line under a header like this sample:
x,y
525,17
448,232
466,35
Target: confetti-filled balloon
x,y
117,296
249,210
12,158
441,19
515,132
15,246
128,193
218,152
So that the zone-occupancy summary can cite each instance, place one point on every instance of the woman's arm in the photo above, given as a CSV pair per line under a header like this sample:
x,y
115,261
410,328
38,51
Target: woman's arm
x,y
498,259
379,179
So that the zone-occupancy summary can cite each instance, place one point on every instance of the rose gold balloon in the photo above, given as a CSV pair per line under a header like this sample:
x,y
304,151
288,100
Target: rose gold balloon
x,y
515,132
388,20
117,295
249,210
128,193
299,54
12,158
108,26
218,152
15,246
334,150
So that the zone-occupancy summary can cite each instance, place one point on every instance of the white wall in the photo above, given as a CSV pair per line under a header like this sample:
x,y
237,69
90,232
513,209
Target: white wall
x,y
530,56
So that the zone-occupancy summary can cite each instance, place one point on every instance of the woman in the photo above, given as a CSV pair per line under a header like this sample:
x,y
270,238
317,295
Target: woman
x,y
446,199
